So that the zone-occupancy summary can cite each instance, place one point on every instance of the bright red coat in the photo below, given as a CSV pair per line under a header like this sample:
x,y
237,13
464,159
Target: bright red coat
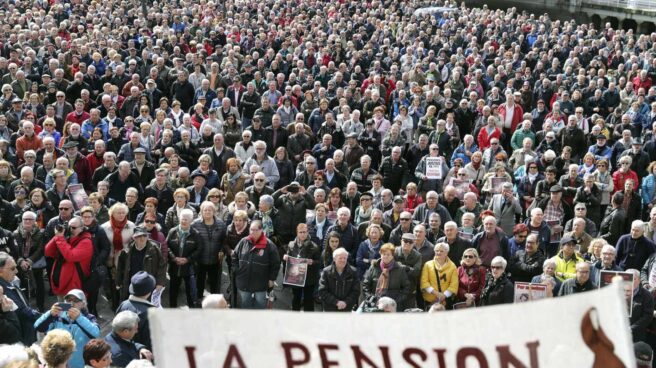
x,y
518,114
64,276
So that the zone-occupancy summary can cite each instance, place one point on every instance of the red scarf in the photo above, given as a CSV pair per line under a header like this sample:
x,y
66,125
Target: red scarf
x,y
117,228
261,243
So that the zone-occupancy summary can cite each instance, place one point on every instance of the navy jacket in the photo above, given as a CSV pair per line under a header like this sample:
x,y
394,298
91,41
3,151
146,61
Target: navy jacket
x,y
123,352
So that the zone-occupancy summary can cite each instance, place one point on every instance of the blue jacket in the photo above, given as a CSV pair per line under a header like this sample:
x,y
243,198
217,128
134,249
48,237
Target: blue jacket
x,y
123,352
605,152
648,189
595,271
88,127
367,251
460,153
83,329
544,235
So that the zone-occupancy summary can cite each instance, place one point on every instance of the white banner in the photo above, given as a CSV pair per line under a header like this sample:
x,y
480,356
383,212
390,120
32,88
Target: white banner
x,y
584,330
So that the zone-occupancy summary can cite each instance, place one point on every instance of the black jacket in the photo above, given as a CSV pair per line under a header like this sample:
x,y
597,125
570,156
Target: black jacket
x,y
26,315
499,291
189,250
334,287
210,240
255,268
291,212
612,226
398,287
642,313
457,248
524,267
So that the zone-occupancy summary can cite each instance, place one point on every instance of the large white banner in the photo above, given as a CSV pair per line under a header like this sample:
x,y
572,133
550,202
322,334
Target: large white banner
x,y
588,330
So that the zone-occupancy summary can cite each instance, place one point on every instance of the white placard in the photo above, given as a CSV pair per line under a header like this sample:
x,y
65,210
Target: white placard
x,y
434,167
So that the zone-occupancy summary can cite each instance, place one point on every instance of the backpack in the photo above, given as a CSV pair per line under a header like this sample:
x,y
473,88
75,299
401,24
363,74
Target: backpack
x,y
98,273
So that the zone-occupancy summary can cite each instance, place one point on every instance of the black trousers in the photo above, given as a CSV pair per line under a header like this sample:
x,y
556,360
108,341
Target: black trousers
x,y
303,296
190,290
211,273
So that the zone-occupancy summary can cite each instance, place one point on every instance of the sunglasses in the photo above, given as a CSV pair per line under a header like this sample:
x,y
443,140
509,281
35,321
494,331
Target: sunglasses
x,y
404,219
468,256
215,196
407,241
65,208
150,222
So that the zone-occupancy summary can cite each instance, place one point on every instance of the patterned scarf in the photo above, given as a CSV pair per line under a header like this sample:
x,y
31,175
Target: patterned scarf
x,y
27,246
383,280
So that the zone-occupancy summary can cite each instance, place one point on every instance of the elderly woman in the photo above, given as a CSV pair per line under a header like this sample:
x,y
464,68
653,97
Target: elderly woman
x,y
386,277
183,249
439,277
241,202
211,232
267,214
205,168
233,181
57,348
475,169
604,181
549,273
119,232
594,250
181,198
155,232
498,287
303,247
471,278
339,287
369,250
39,204
76,320
236,230
215,196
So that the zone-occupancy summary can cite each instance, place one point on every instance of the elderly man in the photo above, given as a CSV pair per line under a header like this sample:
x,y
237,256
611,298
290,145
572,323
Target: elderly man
x,y
28,141
109,166
506,208
377,218
120,180
292,202
579,283
339,287
490,242
215,301
581,212
265,162
125,326
141,254
26,315
556,214
423,211
537,225
470,204
255,263
364,174
395,171
220,154
406,225
450,200
258,189
324,150
606,263
457,245
583,239
26,179
613,224
348,233
527,262
634,249
409,257
299,142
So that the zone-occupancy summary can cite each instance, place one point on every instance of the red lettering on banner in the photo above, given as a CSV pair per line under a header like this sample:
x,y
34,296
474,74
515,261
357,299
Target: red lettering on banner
x,y
441,361
506,358
464,353
325,361
190,356
409,352
359,357
233,354
289,359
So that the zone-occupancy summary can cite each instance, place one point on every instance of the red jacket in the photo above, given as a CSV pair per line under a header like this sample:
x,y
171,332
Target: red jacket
x,y
637,83
619,178
64,276
484,138
517,115
473,284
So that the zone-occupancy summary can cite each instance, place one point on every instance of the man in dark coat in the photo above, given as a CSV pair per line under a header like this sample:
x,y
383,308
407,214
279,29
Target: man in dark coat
x,y
612,226
339,287
26,315
142,285
642,307
634,249
124,350
527,262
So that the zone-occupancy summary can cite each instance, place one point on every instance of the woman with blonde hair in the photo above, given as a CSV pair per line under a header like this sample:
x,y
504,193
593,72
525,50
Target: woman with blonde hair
x,y
233,181
471,277
439,278
385,277
215,196
119,232
57,348
181,198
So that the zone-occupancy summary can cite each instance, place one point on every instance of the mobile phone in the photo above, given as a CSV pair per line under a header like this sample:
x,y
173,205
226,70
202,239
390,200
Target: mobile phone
x,y
65,306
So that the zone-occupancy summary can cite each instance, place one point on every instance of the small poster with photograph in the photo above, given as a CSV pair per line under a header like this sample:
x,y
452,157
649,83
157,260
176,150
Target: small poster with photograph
x,y
465,235
78,196
555,235
525,292
496,184
296,271
434,167
607,277
462,187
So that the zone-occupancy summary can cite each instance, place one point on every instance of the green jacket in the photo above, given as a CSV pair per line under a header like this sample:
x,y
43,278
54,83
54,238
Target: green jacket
x,y
518,138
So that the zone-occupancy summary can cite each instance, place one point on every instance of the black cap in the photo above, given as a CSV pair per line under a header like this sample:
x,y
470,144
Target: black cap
x,y
556,189
567,239
601,136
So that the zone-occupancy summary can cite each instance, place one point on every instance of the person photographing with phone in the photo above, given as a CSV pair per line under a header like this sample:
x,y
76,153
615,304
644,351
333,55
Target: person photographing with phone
x,y
71,315
72,257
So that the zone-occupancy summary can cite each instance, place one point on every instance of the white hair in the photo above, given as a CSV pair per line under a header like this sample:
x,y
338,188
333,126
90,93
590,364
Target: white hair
x,y
124,320
499,260
215,301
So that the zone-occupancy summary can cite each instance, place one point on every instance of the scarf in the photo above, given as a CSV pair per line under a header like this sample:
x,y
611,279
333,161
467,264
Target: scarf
x,y
383,280
117,229
267,223
233,178
27,246
532,177
261,243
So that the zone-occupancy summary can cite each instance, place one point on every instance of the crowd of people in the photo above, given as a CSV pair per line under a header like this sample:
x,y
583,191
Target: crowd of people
x,y
411,161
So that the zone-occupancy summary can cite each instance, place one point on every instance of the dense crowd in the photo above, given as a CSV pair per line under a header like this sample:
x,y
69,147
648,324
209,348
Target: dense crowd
x,y
410,161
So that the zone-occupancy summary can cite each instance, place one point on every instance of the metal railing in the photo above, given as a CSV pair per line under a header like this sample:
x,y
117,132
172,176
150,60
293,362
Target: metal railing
x,y
649,5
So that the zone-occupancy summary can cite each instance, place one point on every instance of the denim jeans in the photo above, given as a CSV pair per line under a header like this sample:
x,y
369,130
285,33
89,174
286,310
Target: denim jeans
x,y
250,300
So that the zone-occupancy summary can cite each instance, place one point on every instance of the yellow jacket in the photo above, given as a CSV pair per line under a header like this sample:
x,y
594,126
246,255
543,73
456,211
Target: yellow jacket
x,y
566,269
448,279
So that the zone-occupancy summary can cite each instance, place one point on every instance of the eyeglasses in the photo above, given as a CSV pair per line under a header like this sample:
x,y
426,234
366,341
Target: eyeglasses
x,y
150,221
407,241
216,196
65,208
625,164
580,209
496,267
309,163
462,174
259,180
318,179
468,256
494,144
404,219
433,149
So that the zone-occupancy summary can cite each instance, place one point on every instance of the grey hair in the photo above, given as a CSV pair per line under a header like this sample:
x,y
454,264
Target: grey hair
x,y
549,262
339,251
267,199
30,214
4,258
215,301
386,301
443,246
608,247
501,260
124,321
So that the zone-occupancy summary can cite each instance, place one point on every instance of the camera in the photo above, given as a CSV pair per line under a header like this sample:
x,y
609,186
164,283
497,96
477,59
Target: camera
x,y
61,227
